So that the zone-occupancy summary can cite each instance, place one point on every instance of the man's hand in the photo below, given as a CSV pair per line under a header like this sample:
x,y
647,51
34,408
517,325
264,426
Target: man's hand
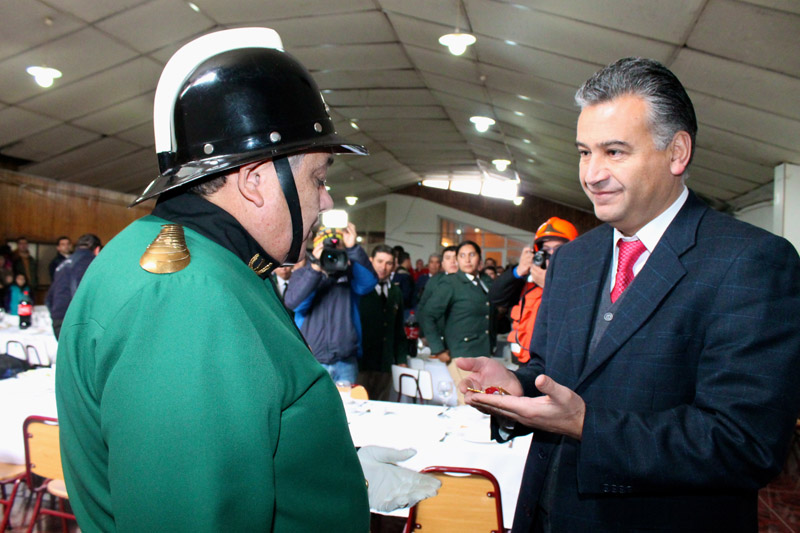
x,y
349,235
538,274
390,486
560,410
487,373
317,253
444,356
525,262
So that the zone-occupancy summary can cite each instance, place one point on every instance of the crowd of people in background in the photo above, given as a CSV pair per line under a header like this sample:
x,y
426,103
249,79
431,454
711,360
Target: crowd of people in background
x,y
362,311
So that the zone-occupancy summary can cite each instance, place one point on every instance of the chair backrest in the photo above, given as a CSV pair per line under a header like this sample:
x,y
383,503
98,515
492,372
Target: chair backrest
x,y
468,501
417,384
42,449
358,392
30,349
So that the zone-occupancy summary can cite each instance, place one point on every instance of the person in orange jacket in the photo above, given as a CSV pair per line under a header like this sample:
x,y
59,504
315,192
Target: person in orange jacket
x,y
522,285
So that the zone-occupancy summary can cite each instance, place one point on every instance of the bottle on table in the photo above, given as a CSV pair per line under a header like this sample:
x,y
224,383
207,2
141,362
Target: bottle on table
x,y
25,310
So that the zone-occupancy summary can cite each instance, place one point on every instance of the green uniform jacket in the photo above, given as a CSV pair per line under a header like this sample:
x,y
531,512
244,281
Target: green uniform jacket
x,y
383,334
430,288
457,316
189,402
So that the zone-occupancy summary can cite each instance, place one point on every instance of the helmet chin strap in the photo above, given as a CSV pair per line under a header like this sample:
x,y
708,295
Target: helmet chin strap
x,y
286,180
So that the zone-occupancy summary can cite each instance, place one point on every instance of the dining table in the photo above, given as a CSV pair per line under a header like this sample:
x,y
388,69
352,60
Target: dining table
x,y
441,435
39,335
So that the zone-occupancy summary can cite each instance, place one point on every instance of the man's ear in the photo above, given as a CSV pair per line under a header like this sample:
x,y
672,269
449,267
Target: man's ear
x,y
681,153
250,181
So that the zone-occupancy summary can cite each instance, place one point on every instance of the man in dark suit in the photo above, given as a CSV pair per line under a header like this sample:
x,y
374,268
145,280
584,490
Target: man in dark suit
x,y
383,337
664,380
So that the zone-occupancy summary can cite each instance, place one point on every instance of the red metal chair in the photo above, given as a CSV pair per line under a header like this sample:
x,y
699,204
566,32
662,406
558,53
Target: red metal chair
x,y
43,458
9,473
468,501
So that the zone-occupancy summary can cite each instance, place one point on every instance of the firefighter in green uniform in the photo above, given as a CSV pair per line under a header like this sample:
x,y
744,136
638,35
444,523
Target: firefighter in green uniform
x,y
187,399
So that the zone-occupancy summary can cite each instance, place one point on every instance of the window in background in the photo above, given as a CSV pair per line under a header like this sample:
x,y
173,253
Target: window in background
x,y
502,248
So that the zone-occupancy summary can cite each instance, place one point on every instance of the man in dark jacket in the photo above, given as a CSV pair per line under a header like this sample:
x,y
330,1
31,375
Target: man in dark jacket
x,y
384,339
326,306
67,277
63,249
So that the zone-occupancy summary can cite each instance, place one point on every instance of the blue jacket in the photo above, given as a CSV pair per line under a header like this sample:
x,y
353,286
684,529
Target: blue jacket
x,y
68,275
326,308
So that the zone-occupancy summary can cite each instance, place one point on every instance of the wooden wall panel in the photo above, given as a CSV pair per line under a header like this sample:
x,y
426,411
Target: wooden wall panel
x,y
42,209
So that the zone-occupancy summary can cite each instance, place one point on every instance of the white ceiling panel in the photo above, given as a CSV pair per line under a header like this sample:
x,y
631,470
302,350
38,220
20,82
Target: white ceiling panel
x,y
119,117
792,6
16,123
366,27
25,25
141,135
772,129
733,144
152,25
637,17
750,34
409,111
560,35
388,97
259,10
67,54
380,79
93,10
744,84
99,91
379,62
352,57
64,165
51,142
117,169
536,63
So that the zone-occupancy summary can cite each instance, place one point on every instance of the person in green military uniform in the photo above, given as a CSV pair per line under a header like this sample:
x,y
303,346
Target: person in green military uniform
x,y
457,319
187,399
383,338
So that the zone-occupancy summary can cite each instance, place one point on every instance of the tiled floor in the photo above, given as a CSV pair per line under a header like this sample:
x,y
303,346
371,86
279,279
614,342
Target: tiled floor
x,y
778,507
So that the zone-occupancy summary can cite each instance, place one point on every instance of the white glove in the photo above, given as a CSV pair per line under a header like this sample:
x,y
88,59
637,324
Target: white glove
x,y
390,486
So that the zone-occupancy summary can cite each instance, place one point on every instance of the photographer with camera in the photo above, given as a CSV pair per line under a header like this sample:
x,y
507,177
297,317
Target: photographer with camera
x,y
324,295
522,286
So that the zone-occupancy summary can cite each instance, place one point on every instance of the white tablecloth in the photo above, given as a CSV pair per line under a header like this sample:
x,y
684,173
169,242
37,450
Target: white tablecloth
x,y
30,393
461,438
39,335
466,441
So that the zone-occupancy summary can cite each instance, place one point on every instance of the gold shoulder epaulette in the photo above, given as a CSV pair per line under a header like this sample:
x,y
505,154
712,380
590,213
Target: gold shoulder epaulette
x,y
168,252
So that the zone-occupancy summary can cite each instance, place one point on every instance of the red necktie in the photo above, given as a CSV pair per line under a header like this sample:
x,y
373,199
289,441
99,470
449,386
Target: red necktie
x,y
629,252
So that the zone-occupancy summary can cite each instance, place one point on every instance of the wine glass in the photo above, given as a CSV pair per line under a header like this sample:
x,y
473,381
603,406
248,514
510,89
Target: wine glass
x,y
445,389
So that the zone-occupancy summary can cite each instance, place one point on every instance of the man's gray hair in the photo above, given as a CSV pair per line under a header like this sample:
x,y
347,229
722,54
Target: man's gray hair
x,y
215,182
671,109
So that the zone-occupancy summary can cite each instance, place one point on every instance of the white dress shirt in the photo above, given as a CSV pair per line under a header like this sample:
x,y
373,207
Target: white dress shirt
x,y
649,234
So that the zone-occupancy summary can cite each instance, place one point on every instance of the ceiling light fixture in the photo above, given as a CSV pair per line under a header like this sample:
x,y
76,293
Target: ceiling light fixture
x,y
482,123
518,200
44,76
519,113
193,6
501,164
457,42
351,200
353,124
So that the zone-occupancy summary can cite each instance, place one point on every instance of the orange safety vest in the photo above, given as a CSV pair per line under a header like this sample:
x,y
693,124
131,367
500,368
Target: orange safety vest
x,y
523,317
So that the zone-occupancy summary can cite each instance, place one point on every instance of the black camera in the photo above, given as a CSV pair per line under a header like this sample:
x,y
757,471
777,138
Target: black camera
x,y
332,260
540,259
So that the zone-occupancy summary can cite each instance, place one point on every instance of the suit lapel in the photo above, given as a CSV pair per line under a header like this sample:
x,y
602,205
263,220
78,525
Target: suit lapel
x,y
660,274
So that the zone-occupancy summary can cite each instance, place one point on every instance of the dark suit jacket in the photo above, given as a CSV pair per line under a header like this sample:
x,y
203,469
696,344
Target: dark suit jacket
x,y
693,391
457,316
383,335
